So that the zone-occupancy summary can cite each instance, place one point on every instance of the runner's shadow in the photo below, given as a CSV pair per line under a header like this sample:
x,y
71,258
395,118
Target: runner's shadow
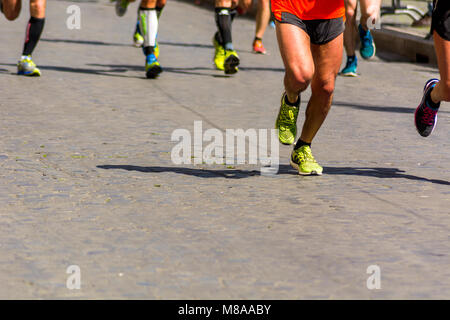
x,y
379,173
88,42
201,173
191,45
114,72
390,109
382,173
189,71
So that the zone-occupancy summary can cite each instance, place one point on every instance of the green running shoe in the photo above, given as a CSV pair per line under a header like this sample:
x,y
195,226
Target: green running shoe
x,y
303,160
286,122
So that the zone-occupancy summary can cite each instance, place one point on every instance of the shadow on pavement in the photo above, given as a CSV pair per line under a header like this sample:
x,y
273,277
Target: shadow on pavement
x,y
85,70
88,42
193,45
190,71
283,169
201,173
378,173
392,109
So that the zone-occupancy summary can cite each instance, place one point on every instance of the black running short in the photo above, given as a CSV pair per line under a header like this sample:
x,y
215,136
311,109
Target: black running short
x,y
441,18
320,31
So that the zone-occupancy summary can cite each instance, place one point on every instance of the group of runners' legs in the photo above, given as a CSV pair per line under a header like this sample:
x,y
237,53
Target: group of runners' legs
x,y
311,36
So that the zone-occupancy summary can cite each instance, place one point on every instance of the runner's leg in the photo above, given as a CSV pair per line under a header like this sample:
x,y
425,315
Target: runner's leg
x,y
327,60
441,91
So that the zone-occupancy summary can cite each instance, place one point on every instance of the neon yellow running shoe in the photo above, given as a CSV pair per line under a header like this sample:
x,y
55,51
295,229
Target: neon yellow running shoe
x,y
219,54
231,62
303,160
286,122
27,67
138,40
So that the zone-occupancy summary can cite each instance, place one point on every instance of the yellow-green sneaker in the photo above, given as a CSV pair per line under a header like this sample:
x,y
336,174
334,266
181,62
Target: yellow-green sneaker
x,y
26,67
231,62
138,39
286,122
219,54
303,160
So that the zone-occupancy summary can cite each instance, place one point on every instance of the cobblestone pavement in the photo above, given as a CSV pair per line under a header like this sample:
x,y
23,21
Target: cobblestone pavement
x,y
86,176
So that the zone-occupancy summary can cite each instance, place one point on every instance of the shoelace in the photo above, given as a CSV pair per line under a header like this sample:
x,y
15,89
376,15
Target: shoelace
x,y
428,116
287,117
305,155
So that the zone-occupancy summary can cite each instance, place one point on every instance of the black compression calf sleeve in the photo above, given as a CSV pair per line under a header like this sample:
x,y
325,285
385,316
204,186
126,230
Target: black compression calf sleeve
x,y
33,33
223,21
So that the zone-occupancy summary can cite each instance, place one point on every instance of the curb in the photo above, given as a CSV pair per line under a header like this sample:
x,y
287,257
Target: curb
x,y
410,46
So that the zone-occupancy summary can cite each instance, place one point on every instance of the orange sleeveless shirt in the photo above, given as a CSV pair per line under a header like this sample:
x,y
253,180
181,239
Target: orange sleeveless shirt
x,y
309,9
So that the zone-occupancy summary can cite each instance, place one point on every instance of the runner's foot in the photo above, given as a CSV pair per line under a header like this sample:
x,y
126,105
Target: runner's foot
x,y
231,62
303,160
350,67
286,122
368,48
27,67
258,47
152,67
425,116
219,54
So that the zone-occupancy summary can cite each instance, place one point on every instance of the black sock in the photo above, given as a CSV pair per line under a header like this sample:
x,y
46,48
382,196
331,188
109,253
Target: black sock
x,y
300,143
223,21
148,50
430,102
159,11
257,38
33,33
351,58
295,104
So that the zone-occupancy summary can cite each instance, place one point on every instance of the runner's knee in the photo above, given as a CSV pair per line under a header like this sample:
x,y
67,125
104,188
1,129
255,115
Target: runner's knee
x,y
11,14
324,89
301,78
350,15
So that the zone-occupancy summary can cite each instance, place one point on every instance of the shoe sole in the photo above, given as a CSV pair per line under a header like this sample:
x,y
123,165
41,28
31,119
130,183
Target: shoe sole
x,y
427,85
259,52
230,65
312,173
30,74
153,72
349,74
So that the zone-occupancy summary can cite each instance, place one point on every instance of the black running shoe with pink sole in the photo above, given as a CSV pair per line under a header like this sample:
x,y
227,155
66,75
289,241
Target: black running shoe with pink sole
x,y
425,117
